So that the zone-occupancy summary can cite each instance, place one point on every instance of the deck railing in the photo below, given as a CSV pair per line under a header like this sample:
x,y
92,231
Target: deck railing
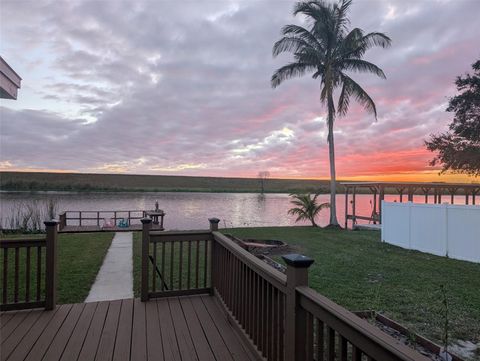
x,y
27,284
96,218
278,314
175,263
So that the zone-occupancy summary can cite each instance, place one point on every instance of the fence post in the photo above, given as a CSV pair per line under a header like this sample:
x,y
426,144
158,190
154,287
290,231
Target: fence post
x,y
146,227
214,224
51,264
295,316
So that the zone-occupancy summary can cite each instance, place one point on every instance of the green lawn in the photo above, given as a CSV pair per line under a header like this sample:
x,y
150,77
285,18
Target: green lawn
x,y
79,259
359,272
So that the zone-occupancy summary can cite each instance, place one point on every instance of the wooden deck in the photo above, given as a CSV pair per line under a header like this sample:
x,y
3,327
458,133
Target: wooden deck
x,y
87,229
176,328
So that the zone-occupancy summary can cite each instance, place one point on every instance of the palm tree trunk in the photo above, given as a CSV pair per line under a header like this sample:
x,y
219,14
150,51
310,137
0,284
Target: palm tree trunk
x,y
331,153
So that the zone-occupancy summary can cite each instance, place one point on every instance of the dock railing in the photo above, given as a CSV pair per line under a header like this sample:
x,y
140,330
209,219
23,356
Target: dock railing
x,y
29,271
279,315
96,218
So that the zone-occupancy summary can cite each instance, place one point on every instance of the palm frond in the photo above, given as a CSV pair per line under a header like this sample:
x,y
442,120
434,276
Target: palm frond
x,y
360,94
344,100
302,33
341,20
307,207
289,44
289,71
362,66
357,47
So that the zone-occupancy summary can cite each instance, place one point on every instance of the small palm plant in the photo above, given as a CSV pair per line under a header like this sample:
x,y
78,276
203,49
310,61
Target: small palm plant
x,y
306,207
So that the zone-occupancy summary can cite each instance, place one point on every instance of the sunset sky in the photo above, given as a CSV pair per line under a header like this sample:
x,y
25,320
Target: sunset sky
x,y
183,88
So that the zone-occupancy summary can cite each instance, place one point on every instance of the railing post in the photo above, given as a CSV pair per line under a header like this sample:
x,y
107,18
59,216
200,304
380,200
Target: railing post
x,y
146,227
295,316
214,224
213,254
51,265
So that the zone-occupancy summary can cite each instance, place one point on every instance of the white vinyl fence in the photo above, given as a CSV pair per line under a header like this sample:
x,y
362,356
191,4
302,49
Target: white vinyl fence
x,y
440,229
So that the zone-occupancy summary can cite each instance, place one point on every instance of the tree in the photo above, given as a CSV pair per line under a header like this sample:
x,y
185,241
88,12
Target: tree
x,y
306,208
459,148
329,50
263,176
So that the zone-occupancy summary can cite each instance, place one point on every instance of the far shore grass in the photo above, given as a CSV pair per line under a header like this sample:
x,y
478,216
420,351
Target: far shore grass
x,y
82,182
356,270
79,257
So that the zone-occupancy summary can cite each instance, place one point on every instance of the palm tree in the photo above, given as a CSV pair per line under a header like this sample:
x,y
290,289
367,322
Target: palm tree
x,y
329,50
306,207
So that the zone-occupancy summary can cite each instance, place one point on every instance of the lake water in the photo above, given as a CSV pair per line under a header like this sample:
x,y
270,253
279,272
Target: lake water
x,y
186,210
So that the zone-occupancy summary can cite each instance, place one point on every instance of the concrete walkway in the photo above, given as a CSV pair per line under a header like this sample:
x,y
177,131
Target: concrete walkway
x,y
115,280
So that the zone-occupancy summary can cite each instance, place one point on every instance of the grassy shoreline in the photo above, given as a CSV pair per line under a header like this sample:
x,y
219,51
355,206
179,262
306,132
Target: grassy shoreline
x,y
82,182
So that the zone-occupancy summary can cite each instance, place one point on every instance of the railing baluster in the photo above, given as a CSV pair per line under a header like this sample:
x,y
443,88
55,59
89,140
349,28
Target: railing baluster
x,y
282,327
180,266
172,245
27,276
238,289
164,280
320,340
309,338
275,324
189,261
356,353
250,301
205,265
154,268
39,272
15,285
5,275
343,348
330,344
264,316
197,264
235,287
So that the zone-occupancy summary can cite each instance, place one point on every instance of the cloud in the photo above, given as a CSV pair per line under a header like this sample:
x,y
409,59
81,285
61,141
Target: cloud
x,y
158,87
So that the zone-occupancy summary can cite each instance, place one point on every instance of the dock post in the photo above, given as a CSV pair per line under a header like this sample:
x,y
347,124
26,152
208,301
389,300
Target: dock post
x,y
214,224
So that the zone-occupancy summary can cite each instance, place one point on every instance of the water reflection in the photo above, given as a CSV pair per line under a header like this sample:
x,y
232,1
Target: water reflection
x,y
191,210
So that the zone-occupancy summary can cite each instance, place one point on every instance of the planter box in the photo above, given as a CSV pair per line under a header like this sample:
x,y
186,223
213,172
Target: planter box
x,y
418,342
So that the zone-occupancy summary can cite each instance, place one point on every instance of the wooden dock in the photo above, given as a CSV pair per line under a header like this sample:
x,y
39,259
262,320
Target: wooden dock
x,y
177,328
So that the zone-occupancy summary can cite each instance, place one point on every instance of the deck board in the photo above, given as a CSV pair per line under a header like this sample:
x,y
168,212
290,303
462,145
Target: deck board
x,y
25,345
12,324
9,343
122,343
74,345
109,333
176,328
92,338
154,335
